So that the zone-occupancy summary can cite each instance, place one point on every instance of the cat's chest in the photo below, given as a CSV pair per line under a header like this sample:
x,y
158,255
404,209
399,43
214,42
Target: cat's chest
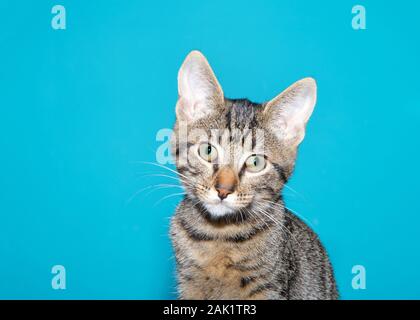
x,y
217,258
218,271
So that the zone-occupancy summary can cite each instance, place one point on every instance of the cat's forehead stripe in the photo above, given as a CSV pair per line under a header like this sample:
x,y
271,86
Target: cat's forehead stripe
x,y
241,113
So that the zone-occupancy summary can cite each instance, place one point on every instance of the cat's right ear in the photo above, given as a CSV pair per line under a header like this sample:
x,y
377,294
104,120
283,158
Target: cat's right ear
x,y
198,89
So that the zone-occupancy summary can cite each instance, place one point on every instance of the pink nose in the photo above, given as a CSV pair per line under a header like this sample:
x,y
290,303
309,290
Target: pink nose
x,y
226,182
223,191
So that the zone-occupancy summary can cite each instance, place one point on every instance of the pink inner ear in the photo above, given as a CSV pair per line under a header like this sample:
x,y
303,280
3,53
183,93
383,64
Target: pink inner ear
x,y
293,107
181,108
188,110
198,87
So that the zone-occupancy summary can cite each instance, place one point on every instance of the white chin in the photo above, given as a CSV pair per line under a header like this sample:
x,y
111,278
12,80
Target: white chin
x,y
218,210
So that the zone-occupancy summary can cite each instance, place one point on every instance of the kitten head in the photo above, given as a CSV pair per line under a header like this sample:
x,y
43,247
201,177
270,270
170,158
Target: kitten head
x,y
234,156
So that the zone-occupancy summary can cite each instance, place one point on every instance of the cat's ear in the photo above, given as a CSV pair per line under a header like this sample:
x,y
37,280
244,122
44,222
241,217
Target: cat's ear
x,y
198,89
288,113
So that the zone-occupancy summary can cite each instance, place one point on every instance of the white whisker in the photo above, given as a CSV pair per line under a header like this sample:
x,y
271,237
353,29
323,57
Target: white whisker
x,y
168,196
154,187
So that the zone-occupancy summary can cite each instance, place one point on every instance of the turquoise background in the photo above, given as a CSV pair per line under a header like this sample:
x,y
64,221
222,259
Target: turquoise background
x,y
79,108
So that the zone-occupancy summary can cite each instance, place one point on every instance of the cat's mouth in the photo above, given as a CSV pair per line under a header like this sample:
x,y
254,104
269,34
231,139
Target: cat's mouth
x,y
219,209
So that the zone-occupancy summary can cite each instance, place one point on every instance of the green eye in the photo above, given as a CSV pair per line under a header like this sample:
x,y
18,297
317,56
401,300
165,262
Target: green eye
x,y
255,163
207,152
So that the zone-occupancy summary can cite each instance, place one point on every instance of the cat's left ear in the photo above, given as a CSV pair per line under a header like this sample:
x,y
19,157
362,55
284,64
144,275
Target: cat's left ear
x,y
198,89
288,113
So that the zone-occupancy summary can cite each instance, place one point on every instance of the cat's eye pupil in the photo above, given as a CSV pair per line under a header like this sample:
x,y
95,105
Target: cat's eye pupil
x,y
207,152
255,163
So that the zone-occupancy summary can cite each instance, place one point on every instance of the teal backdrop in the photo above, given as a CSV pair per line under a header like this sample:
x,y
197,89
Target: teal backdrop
x,y
80,109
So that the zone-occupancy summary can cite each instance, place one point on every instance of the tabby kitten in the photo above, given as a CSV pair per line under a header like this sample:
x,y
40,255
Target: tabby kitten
x,y
232,235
